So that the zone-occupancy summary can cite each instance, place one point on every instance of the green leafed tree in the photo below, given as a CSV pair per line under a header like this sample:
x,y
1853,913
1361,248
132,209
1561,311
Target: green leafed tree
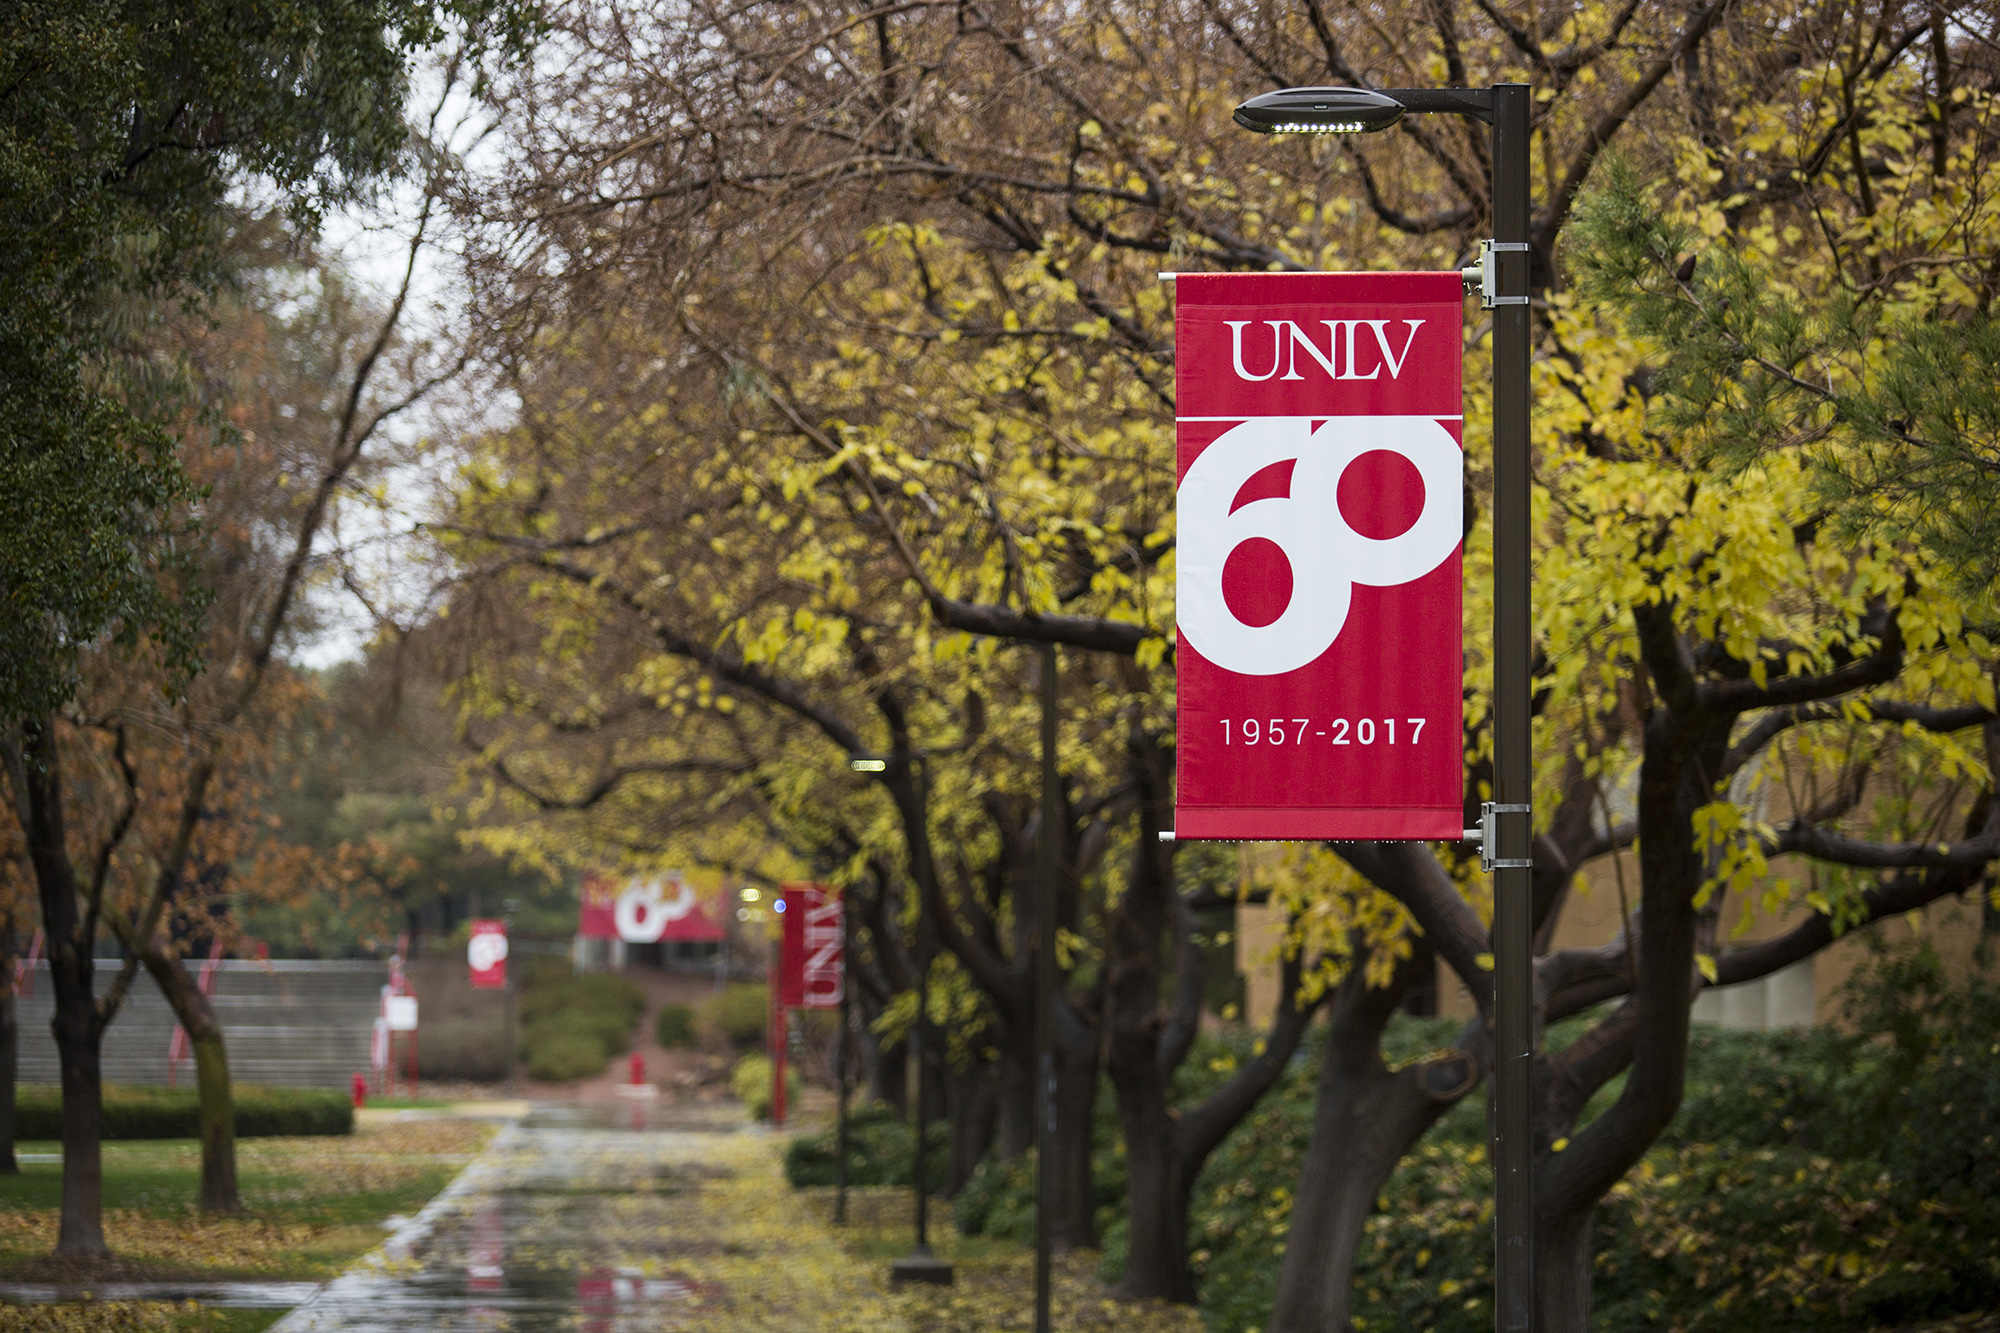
x,y
123,128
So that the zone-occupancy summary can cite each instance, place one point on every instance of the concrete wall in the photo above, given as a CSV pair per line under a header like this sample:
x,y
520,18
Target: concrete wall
x,y
291,1024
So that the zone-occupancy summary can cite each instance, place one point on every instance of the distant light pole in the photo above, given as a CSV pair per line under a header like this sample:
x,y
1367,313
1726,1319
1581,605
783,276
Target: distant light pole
x,y
843,1057
1049,857
1506,829
920,1264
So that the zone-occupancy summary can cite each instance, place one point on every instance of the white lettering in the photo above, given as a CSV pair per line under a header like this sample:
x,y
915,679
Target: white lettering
x,y
1349,324
1236,349
1339,332
1299,338
823,962
1382,340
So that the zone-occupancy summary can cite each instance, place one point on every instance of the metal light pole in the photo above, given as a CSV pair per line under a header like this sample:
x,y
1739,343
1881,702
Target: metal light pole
x,y
1506,830
1048,856
920,1264
841,1061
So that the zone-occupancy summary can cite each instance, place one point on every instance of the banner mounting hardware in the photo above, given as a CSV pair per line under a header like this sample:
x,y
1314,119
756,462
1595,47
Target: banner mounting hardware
x,y
1485,277
1487,836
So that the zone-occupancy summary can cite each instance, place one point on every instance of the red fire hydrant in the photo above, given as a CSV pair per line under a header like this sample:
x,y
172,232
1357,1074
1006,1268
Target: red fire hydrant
x,y
638,1069
360,1091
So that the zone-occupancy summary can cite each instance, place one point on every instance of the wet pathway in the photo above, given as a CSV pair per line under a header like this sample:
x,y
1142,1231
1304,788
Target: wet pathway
x,y
575,1220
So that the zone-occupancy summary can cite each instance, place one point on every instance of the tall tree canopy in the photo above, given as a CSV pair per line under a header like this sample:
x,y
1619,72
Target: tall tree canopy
x,y
843,361
122,125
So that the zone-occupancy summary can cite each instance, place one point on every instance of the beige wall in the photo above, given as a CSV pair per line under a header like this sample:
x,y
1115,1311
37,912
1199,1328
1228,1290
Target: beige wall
x,y
1257,935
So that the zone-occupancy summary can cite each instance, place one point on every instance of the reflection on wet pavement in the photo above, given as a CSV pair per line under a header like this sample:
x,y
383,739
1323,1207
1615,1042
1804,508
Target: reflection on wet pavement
x,y
229,1295
606,1219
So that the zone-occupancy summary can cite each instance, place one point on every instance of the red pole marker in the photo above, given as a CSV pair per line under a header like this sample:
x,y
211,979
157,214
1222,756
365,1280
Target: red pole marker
x,y
778,1069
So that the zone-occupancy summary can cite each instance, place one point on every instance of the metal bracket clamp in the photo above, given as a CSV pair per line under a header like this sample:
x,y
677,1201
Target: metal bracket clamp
x,y
1484,277
1487,835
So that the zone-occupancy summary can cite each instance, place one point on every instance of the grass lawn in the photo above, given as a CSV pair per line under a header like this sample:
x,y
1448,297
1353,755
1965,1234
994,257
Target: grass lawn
x,y
312,1206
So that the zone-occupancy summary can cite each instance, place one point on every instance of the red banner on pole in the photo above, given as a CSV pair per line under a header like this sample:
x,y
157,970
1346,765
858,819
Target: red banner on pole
x,y
486,954
810,964
1319,518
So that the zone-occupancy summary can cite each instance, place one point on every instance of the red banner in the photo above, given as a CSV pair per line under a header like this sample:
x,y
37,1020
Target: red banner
x,y
486,954
597,915
810,964
1319,518
645,910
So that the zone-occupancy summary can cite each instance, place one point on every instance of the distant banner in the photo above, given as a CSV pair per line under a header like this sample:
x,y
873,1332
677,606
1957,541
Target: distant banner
x,y
1319,517
598,917
811,968
486,954
644,910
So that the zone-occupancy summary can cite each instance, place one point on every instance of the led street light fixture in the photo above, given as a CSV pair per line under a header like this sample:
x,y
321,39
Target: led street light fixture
x,y
868,765
1319,111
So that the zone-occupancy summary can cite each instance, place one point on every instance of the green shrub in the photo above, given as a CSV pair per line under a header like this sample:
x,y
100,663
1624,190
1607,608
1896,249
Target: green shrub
x,y
609,993
750,1080
1923,1081
880,1150
558,1053
463,1048
572,1025
999,1199
272,1112
543,970
1812,1181
1705,1238
551,991
610,1031
138,1112
740,1014
673,1026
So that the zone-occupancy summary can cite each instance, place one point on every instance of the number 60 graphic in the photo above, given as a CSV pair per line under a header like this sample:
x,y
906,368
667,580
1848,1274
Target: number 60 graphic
x,y
1328,557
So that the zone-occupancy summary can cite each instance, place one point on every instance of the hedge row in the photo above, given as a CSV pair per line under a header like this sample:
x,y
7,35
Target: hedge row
x,y
1813,1182
572,1025
740,1013
881,1149
174,1113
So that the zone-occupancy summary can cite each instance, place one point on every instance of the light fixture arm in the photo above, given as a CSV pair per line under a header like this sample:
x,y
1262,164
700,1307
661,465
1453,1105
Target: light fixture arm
x,y
1474,102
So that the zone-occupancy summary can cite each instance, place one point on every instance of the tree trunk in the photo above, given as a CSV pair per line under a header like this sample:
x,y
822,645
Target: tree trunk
x,y
79,1047
1683,746
219,1193
1157,1202
1073,1226
973,1096
1562,1275
888,1076
1073,1223
1163,1153
76,1026
1015,1075
1364,1119
218,1126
